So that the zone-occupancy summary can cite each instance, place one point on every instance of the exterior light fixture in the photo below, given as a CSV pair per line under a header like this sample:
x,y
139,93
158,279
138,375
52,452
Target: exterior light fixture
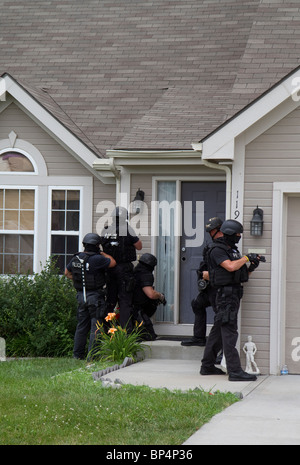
x,y
257,223
138,201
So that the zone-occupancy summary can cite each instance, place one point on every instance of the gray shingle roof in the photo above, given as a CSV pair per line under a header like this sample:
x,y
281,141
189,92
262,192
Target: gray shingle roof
x,y
152,74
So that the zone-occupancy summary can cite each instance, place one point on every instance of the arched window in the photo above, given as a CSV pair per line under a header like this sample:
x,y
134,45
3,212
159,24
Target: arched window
x,y
15,162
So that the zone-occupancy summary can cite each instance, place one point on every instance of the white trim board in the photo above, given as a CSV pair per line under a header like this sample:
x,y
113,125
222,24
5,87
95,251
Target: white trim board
x,y
281,191
221,144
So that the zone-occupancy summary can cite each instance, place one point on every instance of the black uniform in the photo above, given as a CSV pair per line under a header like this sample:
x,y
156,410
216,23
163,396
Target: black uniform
x,y
120,280
229,291
144,307
88,273
205,298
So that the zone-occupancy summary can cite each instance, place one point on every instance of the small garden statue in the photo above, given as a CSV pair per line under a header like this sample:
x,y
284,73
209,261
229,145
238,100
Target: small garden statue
x,y
250,350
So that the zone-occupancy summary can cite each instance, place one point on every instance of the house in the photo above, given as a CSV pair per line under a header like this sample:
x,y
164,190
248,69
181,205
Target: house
x,y
194,103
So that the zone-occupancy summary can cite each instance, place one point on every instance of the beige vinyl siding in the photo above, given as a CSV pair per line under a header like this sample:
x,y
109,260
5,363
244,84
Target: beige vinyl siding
x,y
272,157
102,192
59,162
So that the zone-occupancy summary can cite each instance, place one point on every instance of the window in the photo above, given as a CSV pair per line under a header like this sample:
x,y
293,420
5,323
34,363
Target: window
x,y
65,221
165,249
15,162
16,230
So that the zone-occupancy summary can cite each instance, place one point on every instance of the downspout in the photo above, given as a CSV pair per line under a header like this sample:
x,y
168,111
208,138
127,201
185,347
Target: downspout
x,y
117,175
216,166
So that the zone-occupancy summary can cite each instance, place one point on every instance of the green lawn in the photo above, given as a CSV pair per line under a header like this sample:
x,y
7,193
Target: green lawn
x,y
57,402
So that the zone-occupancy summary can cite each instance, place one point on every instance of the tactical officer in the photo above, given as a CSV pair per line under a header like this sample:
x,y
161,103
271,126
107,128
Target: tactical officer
x,y
87,269
145,298
227,272
206,295
120,241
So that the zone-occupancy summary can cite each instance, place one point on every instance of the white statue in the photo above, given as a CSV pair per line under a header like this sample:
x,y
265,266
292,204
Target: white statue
x,y
223,364
250,350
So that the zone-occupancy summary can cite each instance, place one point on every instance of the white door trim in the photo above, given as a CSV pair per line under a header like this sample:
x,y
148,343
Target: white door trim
x,y
281,191
175,328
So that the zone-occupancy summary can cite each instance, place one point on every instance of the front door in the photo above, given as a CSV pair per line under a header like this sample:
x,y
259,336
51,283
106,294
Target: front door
x,y
200,201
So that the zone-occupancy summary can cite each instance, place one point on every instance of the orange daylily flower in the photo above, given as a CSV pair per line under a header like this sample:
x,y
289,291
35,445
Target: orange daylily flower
x,y
110,316
112,330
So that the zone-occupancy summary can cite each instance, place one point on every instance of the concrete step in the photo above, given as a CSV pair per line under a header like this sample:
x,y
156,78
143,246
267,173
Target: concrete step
x,y
164,349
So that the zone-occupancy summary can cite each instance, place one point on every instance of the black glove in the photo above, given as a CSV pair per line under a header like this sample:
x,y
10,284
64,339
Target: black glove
x,y
254,260
254,264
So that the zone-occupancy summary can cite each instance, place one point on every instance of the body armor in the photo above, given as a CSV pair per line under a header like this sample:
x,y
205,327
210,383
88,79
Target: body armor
x,y
119,247
218,276
82,277
143,278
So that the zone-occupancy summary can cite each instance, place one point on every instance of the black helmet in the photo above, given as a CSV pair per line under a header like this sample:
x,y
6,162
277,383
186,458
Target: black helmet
x,y
230,227
92,239
148,259
213,223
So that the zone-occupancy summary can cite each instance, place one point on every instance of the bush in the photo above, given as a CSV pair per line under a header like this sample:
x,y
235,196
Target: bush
x,y
38,313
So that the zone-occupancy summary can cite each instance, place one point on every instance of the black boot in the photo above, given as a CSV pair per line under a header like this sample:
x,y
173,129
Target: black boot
x,y
194,341
211,371
241,376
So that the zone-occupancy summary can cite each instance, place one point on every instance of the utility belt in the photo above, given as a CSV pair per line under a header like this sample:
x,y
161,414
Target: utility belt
x,y
123,272
226,291
227,304
100,290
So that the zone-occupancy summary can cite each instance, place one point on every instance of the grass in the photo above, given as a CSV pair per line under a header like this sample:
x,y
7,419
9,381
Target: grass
x,y
57,402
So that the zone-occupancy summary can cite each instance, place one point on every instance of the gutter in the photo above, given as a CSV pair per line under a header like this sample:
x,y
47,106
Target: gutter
x,y
113,168
219,166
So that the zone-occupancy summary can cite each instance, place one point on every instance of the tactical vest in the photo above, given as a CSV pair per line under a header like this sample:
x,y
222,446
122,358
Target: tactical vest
x,y
82,276
119,248
218,276
143,277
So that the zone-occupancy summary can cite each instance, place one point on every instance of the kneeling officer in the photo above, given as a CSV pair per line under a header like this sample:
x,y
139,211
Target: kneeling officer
x,y
87,269
145,298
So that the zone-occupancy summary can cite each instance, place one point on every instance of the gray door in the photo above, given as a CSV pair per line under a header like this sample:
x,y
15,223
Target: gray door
x,y
200,201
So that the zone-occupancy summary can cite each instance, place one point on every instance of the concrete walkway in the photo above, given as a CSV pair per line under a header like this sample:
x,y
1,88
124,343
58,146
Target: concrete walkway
x,y
269,412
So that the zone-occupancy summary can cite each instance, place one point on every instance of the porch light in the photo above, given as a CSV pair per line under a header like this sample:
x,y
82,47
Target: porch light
x,y
138,201
257,223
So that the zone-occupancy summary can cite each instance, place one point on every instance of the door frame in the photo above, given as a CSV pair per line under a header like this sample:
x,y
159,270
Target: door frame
x,y
175,328
281,192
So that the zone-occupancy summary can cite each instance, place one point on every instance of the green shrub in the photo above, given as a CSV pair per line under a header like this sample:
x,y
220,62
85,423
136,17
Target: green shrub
x,y
38,313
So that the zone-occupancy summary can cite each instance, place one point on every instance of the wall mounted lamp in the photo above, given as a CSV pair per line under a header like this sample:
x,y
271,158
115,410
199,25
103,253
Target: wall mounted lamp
x,y
138,201
257,223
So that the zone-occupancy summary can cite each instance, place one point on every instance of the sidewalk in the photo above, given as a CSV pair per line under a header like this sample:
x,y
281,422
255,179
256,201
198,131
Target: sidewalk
x,y
268,414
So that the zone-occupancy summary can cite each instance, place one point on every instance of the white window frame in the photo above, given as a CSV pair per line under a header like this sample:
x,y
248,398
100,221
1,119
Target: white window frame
x,y
40,182
21,152
23,231
60,232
